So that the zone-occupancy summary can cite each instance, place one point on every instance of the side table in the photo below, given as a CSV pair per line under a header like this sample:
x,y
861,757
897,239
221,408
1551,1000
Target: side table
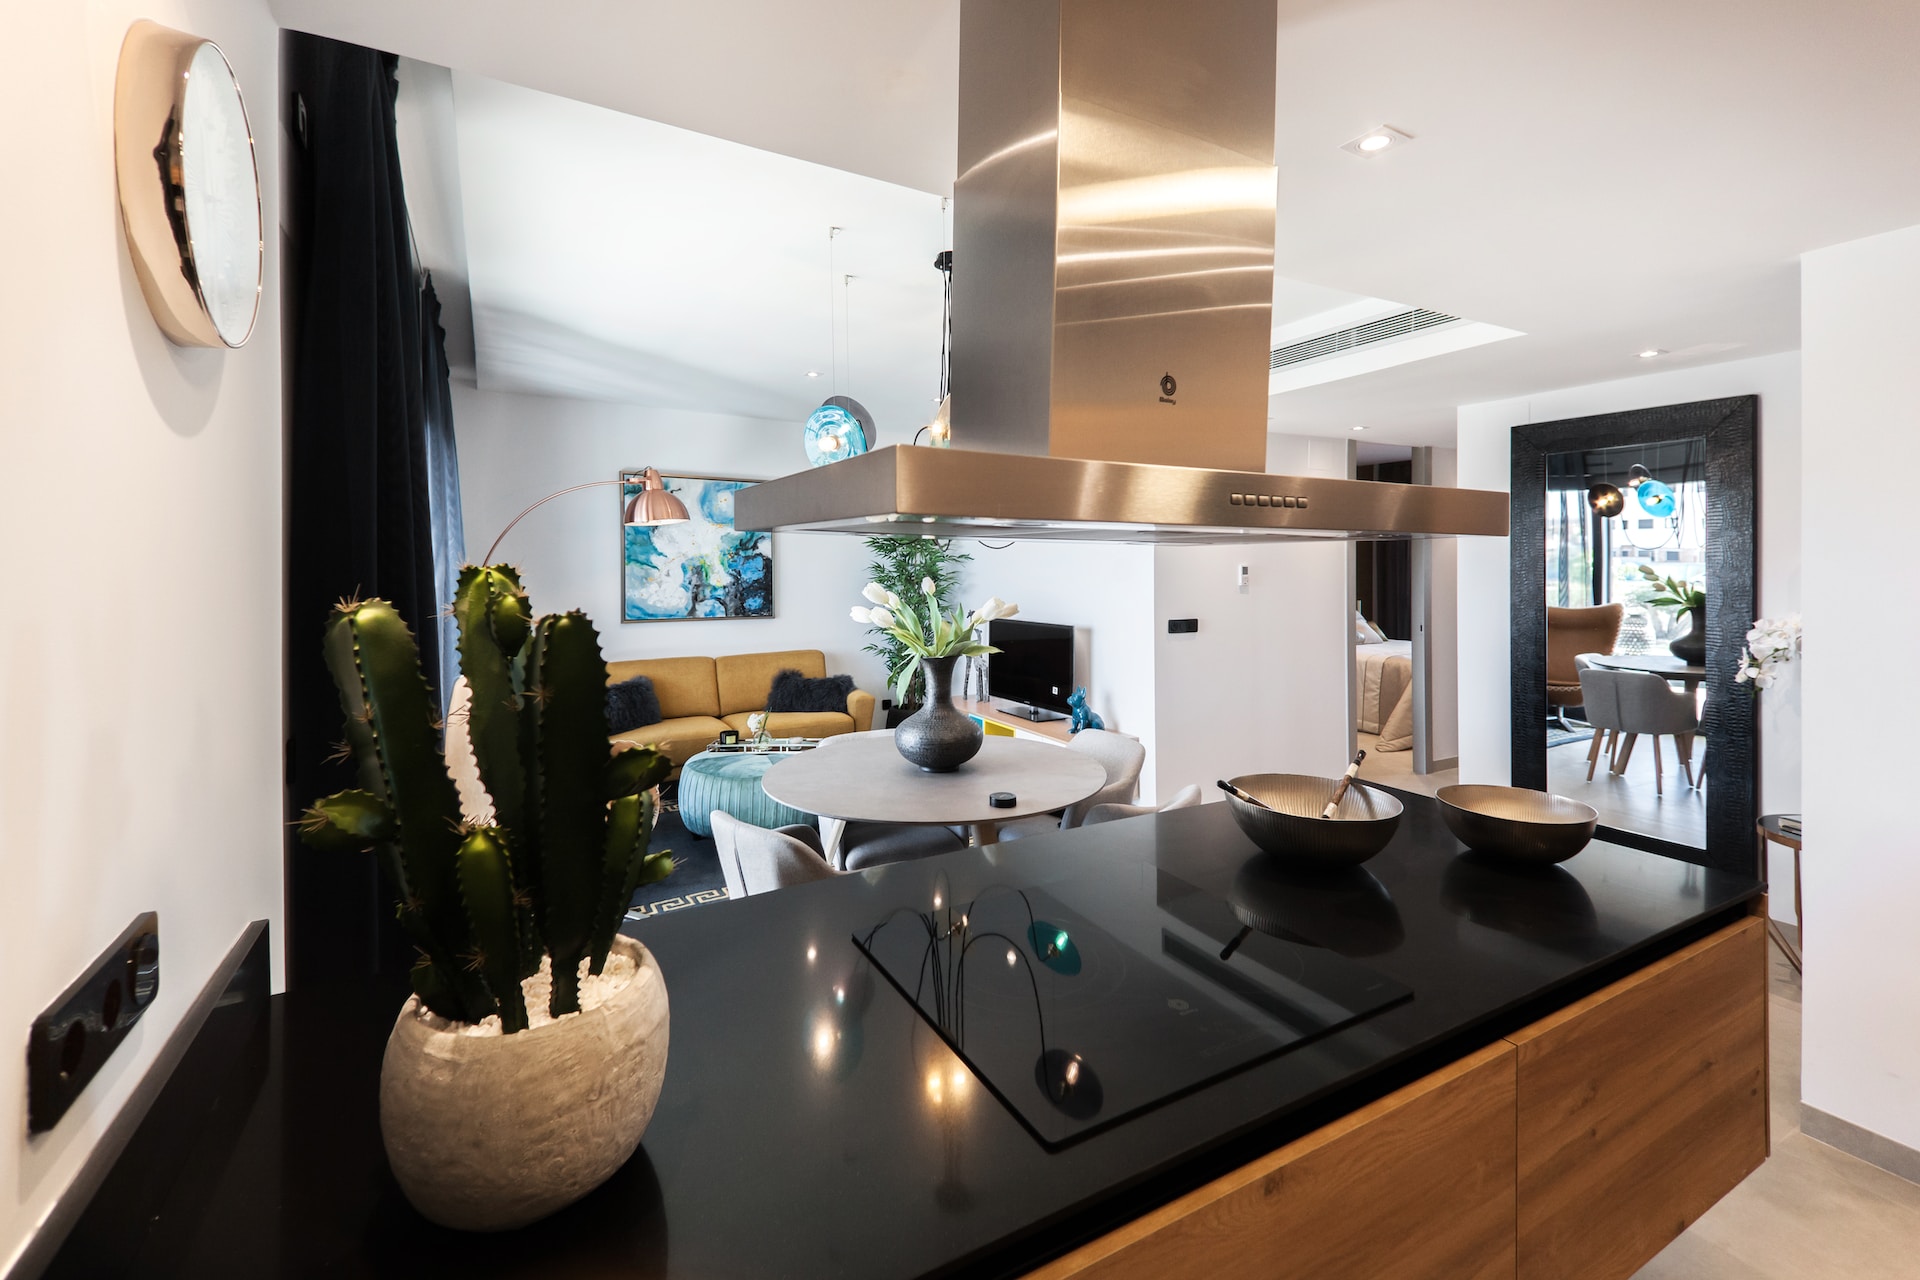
x,y
1772,832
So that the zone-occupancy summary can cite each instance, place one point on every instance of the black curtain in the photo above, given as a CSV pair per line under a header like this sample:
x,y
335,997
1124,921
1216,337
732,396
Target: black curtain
x,y
369,449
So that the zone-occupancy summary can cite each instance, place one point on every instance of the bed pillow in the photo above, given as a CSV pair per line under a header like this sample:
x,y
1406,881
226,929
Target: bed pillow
x,y
632,704
1364,632
792,691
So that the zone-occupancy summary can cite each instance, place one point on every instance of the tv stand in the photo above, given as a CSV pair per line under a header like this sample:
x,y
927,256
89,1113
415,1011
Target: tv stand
x,y
1010,723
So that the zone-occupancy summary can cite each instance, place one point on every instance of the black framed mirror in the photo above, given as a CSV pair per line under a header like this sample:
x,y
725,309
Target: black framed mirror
x,y
1717,439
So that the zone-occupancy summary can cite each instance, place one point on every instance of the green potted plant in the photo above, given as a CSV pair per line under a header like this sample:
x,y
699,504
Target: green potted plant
x,y
1691,645
898,565
524,1068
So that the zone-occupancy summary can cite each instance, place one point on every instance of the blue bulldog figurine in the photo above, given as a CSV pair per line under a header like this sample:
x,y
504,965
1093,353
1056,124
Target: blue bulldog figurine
x,y
1084,717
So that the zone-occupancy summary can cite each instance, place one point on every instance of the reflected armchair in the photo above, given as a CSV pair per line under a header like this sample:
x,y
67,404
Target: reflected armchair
x,y
1571,632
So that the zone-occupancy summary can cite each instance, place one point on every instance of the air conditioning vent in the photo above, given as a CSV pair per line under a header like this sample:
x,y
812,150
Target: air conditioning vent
x,y
1329,344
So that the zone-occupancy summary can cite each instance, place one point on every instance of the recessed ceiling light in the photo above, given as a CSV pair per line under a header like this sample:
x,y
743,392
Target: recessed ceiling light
x,y
1376,142
1359,428
813,373
1651,352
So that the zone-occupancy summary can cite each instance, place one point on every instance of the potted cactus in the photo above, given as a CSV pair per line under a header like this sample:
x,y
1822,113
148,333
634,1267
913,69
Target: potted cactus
x,y
524,1068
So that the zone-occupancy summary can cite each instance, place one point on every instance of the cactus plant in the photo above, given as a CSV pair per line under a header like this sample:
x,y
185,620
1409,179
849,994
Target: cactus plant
x,y
551,870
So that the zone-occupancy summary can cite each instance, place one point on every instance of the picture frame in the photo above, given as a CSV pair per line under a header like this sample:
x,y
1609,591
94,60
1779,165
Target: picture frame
x,y
703,569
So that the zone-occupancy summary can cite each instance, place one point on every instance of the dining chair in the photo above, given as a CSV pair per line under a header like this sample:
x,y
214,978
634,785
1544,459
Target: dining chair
x,y
757,860
1601,696
1649,705
1185,798
1121,756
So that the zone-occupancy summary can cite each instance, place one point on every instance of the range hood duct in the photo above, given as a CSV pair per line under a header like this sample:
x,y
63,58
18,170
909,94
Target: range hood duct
x,y
1112,302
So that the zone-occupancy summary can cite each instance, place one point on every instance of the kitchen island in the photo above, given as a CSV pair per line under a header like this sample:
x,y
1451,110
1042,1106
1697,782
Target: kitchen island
x,y
1577,1073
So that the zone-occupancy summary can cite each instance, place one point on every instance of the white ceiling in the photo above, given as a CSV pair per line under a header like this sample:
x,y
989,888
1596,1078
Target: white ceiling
x,y
1602,177
615,258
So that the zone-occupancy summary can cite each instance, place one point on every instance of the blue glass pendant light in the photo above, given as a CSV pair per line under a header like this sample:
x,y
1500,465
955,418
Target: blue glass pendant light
x,y
839,429
1655,498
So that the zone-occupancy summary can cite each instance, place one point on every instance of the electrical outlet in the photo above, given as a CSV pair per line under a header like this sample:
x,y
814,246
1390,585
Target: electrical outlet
x,y
74,1037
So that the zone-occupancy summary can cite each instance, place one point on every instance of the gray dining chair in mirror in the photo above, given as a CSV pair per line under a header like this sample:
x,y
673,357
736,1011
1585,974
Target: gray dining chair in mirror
x,y
1649,705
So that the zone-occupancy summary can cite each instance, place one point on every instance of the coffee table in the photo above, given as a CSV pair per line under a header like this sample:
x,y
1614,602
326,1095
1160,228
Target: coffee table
x,y
861,777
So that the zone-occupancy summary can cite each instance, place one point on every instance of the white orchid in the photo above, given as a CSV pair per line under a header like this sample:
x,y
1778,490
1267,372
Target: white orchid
x,y
1771,644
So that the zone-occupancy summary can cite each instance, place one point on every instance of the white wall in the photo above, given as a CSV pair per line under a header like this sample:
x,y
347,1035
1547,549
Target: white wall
x,y
515,449
1860,1059
1443,633
140,720
1485,432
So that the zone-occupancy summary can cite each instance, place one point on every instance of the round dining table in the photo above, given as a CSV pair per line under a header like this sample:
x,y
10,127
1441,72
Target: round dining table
x,y
1659,664
862,777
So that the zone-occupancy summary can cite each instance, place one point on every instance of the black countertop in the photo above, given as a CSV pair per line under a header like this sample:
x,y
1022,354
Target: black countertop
x,y
775,1154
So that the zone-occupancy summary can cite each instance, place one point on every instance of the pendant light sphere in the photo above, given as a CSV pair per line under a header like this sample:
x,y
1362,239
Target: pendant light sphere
x,y
1655,498
1606,499
653,505
832,434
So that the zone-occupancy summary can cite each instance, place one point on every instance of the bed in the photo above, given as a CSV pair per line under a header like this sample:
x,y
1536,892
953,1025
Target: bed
x,y
1383,693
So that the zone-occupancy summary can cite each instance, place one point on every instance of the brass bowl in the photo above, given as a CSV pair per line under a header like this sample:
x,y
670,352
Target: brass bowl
x,y
1513,822
1292,827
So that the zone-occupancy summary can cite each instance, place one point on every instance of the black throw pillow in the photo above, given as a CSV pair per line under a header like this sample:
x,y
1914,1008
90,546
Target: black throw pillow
x,y
632,704
792,691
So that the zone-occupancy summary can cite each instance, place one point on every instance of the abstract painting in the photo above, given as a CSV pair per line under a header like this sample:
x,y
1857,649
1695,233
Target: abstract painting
x,y
703,568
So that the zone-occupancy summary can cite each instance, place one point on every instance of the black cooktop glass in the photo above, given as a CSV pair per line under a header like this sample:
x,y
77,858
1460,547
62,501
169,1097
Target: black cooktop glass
x,y
1099,996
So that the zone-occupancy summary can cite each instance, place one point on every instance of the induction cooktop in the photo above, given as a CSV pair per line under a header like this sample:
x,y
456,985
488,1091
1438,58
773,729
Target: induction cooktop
x,y
1094,998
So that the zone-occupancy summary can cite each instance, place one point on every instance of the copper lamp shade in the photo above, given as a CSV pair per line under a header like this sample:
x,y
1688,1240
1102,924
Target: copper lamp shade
x,y
653,504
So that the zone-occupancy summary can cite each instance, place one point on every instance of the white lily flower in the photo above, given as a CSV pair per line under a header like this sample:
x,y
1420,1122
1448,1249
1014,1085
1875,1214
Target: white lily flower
x,y
926,587
877,594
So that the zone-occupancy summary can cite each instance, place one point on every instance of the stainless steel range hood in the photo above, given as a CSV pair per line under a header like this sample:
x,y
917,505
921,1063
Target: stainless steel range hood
x,y
1112,302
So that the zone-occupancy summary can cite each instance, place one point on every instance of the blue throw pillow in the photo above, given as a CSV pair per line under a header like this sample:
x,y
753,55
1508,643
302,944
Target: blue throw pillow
x,y
792,691
632,704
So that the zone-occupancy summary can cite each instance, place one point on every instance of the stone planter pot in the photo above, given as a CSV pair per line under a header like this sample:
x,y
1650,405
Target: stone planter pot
x,y
939,737
1691,646
491,1132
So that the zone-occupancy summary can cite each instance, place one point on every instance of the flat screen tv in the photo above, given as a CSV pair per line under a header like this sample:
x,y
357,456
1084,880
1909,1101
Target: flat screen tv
x,y
1034,665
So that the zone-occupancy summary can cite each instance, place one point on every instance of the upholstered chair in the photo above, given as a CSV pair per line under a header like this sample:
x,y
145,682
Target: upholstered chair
x,y
1121,756
756,860
1571,632
1185,798
1601,700
1648,704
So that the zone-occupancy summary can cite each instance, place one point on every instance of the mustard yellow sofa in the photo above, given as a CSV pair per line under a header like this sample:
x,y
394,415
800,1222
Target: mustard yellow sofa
x,y
700,697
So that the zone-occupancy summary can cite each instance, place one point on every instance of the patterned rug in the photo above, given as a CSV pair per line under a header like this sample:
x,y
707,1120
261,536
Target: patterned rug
x,y
696,877
1556,737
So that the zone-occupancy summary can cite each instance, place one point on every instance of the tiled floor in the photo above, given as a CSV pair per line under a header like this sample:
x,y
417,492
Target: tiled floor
x,y
1810,1212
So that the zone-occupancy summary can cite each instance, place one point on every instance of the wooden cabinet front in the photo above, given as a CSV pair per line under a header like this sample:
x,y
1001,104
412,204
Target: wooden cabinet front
x,y
1418,1184
1641,1106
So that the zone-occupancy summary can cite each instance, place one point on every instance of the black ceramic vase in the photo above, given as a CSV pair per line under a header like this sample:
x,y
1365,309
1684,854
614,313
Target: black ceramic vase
x,y
939,737
1691,648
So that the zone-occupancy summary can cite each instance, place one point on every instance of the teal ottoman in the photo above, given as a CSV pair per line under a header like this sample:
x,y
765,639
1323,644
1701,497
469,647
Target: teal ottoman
x,y
730,782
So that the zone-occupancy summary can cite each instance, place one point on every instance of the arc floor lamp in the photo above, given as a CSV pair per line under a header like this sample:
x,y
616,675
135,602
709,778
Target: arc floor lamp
x,y
653,505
